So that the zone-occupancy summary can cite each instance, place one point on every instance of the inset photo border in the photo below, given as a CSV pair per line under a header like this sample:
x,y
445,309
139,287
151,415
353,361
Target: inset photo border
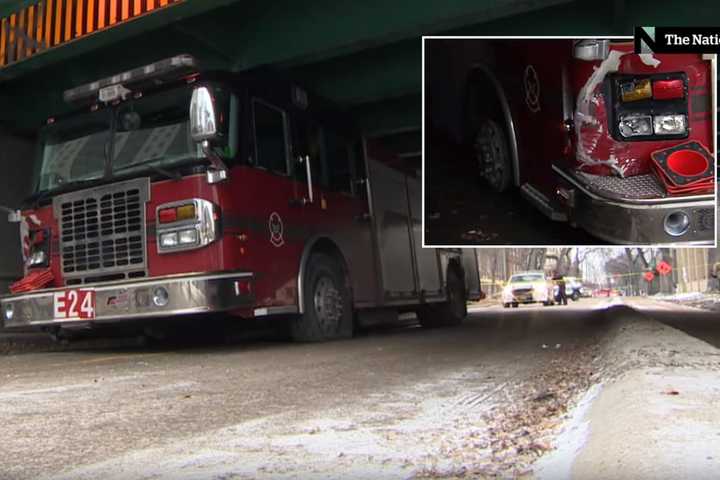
x,y
558,141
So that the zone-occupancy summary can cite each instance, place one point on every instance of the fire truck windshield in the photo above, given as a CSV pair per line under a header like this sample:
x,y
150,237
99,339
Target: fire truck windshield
x,y
140,135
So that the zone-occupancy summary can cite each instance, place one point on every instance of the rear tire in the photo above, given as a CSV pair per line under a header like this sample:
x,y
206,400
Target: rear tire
x,y
515,305
328,306
449,313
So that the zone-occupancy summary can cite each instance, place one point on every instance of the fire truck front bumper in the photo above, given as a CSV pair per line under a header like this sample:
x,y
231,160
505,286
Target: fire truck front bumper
x,y
158,297
674,221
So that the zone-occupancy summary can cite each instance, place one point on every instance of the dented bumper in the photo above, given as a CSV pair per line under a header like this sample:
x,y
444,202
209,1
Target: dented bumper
x,y
641,221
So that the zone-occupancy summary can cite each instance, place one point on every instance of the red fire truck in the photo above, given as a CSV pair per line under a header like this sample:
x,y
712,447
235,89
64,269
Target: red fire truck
x,y
171,191
582,128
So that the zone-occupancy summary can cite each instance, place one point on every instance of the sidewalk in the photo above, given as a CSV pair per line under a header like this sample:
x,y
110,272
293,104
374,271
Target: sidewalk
x,y
655,416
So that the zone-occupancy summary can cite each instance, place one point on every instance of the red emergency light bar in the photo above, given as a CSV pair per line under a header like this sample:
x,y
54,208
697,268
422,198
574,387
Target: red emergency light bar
x,y
159,72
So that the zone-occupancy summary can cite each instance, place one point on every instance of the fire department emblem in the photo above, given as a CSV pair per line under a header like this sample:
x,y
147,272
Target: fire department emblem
x,y
532,89
275,225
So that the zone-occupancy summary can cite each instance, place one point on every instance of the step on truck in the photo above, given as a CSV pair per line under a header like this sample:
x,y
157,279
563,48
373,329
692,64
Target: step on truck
x,y
171,192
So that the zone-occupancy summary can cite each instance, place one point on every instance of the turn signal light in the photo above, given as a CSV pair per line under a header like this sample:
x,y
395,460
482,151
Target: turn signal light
x,y
636,90
668,89
186,212
177,214
167,215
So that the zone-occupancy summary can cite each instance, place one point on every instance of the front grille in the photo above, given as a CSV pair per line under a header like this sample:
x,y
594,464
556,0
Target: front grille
x,y
522,291
102,232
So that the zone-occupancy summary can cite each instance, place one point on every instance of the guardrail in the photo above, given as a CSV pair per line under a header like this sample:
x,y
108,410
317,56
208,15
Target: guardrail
x,y
46,24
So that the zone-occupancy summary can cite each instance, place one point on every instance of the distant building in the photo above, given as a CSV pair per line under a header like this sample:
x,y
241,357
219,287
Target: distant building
x,y
691,269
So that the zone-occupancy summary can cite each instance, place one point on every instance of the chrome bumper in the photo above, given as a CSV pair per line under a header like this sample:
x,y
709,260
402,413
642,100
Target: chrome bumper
x,y
640,221
132,300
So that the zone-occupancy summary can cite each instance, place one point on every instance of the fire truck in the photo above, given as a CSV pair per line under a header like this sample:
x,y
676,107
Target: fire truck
x,y
171,191
617,143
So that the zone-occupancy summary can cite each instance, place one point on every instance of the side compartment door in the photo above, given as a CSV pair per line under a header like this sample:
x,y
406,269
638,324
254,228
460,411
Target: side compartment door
x,y
426,259
391,224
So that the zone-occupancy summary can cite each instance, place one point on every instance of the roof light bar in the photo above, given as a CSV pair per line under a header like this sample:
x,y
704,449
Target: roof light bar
x,y
163,71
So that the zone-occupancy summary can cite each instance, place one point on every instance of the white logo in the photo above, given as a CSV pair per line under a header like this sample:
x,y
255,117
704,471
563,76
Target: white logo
x,y
275,225
532,89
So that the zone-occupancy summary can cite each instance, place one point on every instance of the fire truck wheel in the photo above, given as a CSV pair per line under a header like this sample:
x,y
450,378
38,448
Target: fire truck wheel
x,y
492,155
328,309
451,312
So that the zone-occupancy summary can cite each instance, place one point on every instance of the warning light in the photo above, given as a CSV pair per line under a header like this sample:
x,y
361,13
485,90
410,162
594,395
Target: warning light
x,y
668,89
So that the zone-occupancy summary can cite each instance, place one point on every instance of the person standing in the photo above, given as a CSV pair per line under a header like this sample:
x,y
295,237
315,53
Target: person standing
x,y
562,294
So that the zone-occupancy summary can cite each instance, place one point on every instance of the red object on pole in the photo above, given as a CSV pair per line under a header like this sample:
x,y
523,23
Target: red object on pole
x,y
649,276
664,268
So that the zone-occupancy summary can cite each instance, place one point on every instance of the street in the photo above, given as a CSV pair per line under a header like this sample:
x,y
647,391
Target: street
x,y
492,397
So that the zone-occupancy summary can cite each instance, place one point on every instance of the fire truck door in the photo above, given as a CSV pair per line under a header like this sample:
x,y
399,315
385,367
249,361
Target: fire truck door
x,y
329,204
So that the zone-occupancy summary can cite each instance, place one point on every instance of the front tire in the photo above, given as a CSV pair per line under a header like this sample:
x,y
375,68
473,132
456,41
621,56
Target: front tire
x,y
328,306
492,155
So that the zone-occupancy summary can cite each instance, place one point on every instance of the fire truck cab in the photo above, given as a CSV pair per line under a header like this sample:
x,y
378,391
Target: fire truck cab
x,y
171,191
579,126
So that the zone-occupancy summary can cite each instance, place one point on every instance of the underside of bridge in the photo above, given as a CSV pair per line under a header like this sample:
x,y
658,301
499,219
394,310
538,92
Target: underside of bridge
x,y
364,56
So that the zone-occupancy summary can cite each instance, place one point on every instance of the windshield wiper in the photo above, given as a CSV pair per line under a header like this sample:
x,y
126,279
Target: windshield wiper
x,y
150,164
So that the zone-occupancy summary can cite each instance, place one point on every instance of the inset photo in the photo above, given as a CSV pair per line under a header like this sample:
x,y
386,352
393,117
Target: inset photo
x,y
567,141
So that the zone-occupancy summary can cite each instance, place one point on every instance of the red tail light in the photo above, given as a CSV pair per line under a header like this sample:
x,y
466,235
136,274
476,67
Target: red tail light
x,y
668,89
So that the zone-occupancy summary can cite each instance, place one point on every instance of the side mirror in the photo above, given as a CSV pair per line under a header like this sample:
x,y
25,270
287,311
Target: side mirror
x,y
203,119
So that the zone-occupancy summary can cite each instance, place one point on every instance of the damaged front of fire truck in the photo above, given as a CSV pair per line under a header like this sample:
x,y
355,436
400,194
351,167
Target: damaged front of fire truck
x,y
617,143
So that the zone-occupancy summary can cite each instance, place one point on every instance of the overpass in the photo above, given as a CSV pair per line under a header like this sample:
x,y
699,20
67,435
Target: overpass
x,y
364,56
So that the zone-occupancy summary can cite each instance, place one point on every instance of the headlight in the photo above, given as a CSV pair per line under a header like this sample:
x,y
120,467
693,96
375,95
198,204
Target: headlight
x,y
188,237
37,258
169,240
9,311
670,124
635,125
187,224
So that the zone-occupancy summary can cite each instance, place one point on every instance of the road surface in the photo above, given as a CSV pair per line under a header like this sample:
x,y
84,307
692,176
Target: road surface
x,y
483,398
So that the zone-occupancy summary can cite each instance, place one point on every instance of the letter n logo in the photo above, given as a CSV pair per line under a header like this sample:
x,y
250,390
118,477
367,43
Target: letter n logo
x,y
645,39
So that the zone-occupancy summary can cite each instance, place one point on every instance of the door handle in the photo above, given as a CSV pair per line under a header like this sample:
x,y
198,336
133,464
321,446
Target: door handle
x,y
308,171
